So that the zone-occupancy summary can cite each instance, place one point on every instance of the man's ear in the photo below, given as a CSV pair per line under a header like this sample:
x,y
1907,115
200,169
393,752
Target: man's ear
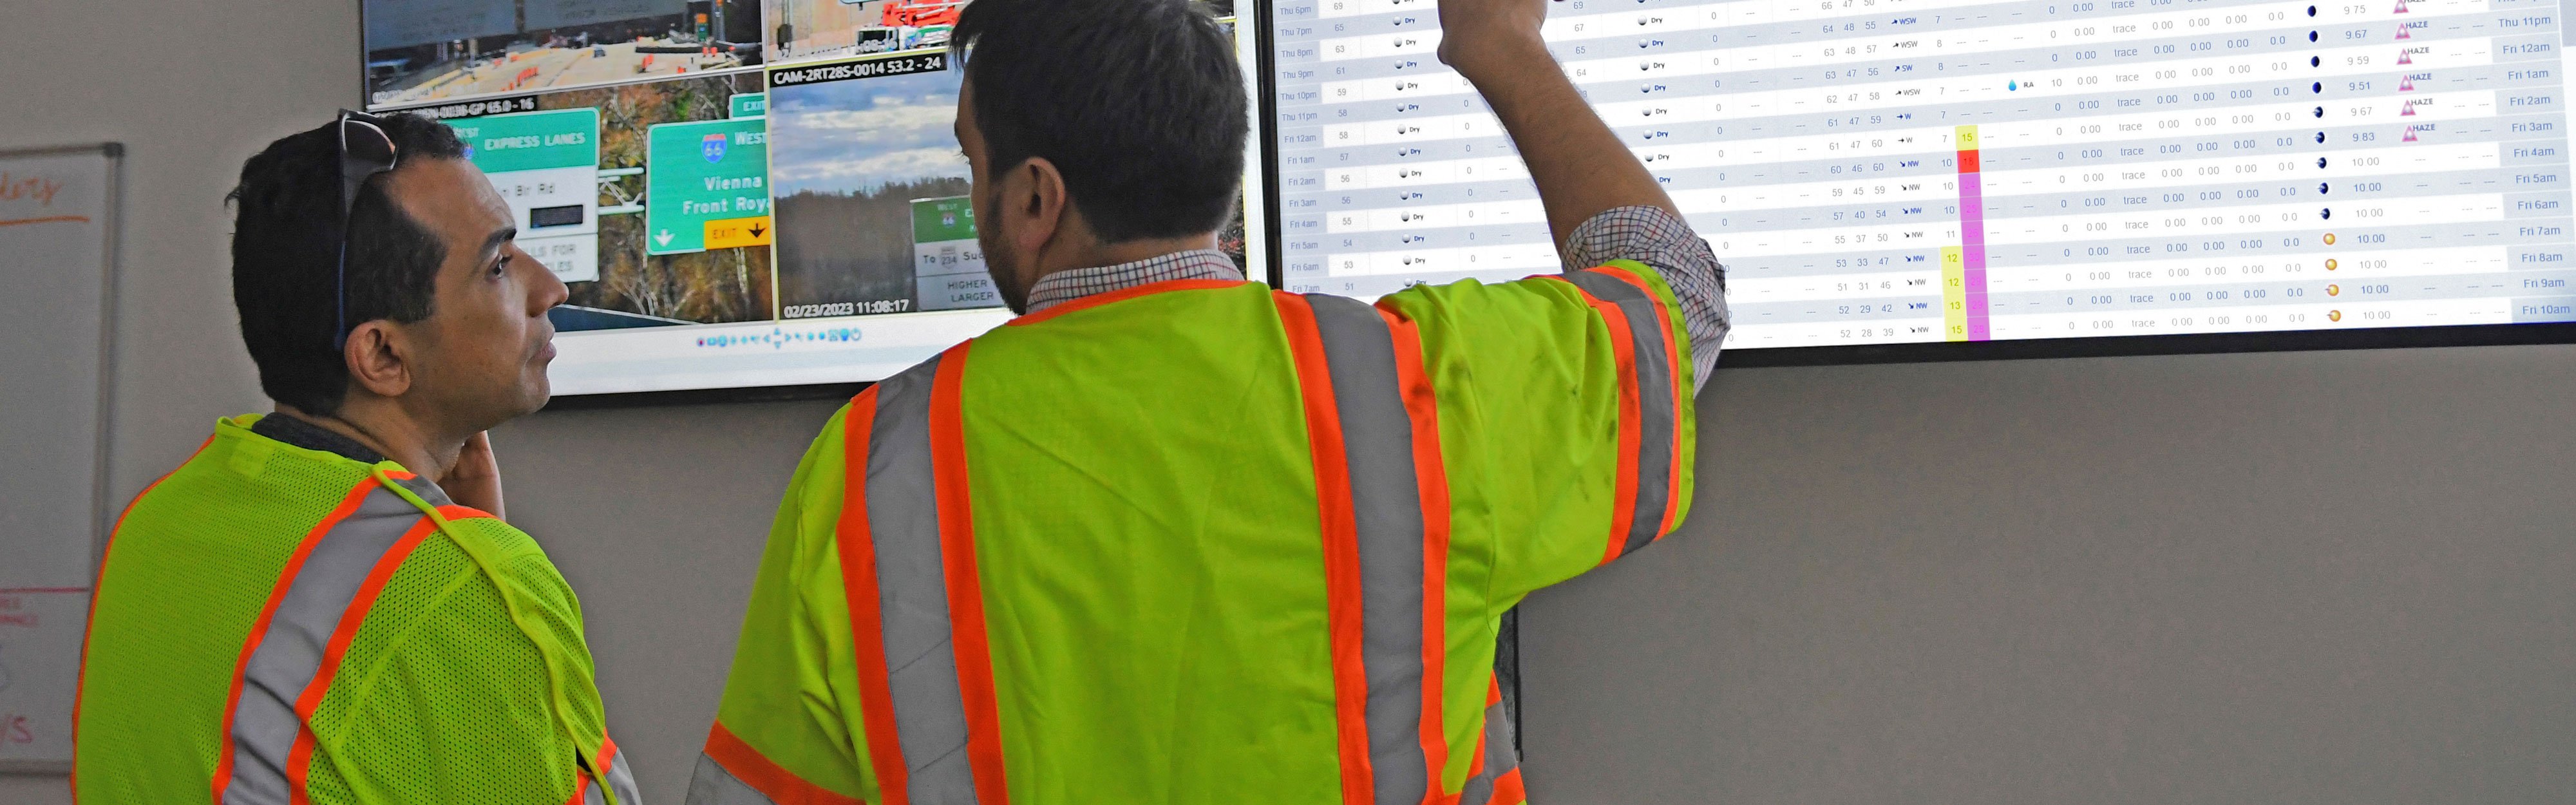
x,y
377,359
1042,201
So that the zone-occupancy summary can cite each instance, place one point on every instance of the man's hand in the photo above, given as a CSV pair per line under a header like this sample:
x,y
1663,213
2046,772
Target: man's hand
x,y
1580,166
475,481
1490,39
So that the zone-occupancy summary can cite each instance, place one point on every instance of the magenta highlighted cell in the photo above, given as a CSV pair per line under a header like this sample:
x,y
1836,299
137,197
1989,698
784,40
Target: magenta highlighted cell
x,y
1972,237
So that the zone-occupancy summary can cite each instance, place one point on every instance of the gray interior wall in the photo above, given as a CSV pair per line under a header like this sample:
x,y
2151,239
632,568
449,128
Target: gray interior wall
x,y
191,88
657,517
2291,577
2315,577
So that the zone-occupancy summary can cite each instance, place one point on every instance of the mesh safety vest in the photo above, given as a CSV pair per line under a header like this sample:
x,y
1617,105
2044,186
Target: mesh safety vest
x,y
284,626
1200,541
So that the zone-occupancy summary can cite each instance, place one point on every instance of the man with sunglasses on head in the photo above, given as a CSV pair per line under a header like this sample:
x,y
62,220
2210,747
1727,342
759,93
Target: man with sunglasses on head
x,y
325,604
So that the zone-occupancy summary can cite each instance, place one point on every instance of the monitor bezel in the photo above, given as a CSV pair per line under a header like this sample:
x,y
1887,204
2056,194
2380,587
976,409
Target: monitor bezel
x,y
1265,130
2458,335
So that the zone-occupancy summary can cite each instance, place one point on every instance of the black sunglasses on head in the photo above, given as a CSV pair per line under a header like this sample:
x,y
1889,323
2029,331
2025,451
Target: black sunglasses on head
x,y
365,151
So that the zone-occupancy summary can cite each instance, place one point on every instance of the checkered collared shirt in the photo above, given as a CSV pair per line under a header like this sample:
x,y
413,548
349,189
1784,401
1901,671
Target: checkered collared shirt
x,y
1066,286
1645,234
1657,238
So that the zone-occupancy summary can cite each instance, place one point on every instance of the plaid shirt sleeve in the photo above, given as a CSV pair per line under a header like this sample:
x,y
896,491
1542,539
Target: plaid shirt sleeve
x,y
1659,239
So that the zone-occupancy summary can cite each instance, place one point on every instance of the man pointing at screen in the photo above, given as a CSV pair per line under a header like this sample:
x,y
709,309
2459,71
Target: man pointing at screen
x,y
1174,537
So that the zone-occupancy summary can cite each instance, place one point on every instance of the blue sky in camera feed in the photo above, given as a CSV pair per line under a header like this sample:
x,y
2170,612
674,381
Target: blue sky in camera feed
x,y
861,134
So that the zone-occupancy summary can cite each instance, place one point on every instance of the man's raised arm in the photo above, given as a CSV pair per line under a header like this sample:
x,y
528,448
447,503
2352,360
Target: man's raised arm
x,y
1601,203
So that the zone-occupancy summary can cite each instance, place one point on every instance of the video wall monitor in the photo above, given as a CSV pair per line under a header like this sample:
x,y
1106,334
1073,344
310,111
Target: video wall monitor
x,y
423,51
2264,174
745,223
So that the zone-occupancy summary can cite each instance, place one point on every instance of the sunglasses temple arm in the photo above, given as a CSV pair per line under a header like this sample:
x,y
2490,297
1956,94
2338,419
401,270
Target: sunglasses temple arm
x,y
340,300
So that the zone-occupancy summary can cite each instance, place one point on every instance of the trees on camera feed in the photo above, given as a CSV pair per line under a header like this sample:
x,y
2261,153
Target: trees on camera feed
x,y
632,285
850,156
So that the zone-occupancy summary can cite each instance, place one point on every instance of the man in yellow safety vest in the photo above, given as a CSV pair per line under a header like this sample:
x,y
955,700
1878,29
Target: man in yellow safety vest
x,y
1174,537
324,604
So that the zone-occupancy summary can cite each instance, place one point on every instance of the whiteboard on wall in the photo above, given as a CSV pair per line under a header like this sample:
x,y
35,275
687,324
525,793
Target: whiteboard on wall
x,y
57,258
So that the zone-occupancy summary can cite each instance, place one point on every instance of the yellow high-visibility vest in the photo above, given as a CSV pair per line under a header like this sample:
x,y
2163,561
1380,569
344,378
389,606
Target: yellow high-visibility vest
x,y
1200,541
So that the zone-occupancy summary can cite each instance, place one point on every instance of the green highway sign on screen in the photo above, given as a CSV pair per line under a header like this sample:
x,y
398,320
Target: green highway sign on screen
x,y
707,186
947,262
546,166
942,219
750,104
563,138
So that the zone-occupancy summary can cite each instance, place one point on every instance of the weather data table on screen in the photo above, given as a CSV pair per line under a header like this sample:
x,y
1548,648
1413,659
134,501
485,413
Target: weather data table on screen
x,y
1876,171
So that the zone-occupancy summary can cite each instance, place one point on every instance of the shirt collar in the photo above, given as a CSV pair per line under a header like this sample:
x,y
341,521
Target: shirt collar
x,y
1066,286
296,432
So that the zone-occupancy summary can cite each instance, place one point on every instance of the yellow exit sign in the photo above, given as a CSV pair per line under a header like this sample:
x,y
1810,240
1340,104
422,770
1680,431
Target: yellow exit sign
x,y
728,233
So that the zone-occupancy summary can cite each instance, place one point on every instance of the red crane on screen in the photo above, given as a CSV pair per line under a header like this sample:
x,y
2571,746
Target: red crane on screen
x,y
905,14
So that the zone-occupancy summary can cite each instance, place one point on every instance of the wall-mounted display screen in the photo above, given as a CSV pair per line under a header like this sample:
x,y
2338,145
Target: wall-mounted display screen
x,y
767,192
419,51
751,212
1893,171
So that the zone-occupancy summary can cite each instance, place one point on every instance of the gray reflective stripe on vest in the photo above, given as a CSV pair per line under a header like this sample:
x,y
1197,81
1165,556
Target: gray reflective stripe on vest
x,y
429,492
621,780
1502,755
712,785
289,653
912,592
1655,415
1386,505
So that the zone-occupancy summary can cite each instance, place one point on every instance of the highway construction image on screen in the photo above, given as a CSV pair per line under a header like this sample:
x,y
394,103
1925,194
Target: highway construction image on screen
x,y
805,30
808,30
420,51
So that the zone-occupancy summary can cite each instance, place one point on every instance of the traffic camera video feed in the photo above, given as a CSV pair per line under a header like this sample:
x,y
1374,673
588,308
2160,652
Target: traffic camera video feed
x,y
650,200
871,189
420,51
646,184
808,30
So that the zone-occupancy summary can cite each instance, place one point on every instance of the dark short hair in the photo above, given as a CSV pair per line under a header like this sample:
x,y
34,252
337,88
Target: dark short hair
x,y
1137,102
286,253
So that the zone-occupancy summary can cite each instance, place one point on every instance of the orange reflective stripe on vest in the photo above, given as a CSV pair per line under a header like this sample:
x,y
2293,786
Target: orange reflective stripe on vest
x,y
1658,373
730,772
80,683
1341,546
295,646
1373,425
907,546
1649,406
1431,480
907,550
1497,769
621,778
